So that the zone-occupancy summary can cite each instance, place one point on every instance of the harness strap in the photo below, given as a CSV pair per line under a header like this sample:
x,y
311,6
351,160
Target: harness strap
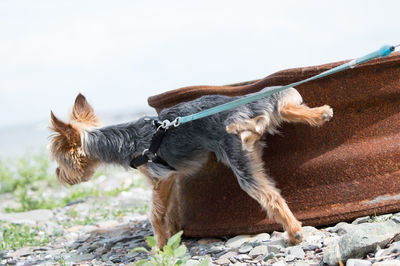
x,y
150,154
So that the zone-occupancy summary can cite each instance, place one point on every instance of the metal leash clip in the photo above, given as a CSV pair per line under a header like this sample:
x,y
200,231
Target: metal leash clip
x,y
167,124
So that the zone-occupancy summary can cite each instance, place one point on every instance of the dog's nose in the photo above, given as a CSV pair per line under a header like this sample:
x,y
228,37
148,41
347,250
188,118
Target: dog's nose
x,y
58,171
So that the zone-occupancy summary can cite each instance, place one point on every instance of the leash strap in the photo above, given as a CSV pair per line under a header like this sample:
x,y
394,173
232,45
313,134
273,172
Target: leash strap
x,y
150,154
382,52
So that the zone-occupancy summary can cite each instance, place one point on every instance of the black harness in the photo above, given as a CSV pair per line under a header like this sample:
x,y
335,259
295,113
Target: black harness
x,y
150,154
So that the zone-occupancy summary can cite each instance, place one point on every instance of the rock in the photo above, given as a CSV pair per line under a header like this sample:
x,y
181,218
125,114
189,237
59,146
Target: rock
x,y
107,224
261,237
276,234
384,217
222,261
279,263
302,263
3,254
379,252
228,255
297,252
205,241
100,251
22,252
237,241
342,228
259,250
29,217
277,242
116,258
361,220
269,256
387,263
310,247
330,240
245,248
216,249
394,248
362,239
396,219
357,262
242,257
289,258
192,262
79,258
275,249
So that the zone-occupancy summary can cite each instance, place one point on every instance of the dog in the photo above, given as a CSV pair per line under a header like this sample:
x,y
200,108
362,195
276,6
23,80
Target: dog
x,y
234,136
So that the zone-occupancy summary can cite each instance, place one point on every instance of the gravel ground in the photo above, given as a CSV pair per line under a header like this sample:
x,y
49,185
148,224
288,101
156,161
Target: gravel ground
x,y
104,230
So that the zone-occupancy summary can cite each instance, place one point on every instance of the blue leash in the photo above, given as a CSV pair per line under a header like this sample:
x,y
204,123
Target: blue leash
x,y
382,52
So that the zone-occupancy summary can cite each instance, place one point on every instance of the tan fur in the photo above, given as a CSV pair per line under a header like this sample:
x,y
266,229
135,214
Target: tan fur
x,y
165,212
66,145
303,114
269,197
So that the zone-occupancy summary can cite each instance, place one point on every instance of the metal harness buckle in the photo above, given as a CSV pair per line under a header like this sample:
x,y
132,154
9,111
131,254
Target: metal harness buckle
x,y
149,155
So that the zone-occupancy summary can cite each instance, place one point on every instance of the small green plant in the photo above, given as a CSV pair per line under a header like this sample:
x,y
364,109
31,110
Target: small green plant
x,y
172,254
61,262
14,236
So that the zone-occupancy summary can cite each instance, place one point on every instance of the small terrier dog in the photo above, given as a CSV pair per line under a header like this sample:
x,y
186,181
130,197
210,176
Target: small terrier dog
x,y
234,136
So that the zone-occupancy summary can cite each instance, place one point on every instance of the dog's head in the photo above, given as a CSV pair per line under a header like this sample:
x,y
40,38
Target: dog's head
x,y
74,166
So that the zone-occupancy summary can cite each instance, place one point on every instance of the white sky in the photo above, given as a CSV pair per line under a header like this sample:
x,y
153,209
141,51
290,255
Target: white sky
x,y
120,52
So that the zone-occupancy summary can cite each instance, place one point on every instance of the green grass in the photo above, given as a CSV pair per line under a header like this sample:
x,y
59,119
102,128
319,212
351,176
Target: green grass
x,y
26,178
24,172
16,236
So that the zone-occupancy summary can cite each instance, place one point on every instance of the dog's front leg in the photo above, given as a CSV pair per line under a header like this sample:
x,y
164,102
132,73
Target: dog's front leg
x,y
164,216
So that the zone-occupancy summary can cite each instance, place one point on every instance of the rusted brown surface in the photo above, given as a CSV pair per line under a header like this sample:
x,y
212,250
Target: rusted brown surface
x,y
348,168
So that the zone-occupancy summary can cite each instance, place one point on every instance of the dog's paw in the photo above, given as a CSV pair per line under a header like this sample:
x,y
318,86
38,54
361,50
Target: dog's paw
x,y
296,238
328,113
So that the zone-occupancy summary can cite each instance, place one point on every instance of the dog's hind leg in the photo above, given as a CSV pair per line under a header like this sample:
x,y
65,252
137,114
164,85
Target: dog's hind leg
x,y
249,170
291,109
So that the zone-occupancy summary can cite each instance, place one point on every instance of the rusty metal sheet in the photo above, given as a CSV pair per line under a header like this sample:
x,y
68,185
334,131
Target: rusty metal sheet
x,y
348,168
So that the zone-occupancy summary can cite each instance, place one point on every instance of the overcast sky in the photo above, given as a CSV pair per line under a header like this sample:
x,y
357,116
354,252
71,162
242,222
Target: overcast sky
x,y
120,52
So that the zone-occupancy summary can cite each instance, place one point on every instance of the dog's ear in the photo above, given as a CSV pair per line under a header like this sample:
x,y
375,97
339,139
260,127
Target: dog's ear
x,y
64,129
82,112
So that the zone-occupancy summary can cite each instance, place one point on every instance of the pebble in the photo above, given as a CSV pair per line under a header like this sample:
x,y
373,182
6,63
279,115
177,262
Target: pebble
x,y
396,219
297,252
361,220
80,258
358,262
278,242
261,237
237,241
259,250
274,249
279,263
245,248
387,263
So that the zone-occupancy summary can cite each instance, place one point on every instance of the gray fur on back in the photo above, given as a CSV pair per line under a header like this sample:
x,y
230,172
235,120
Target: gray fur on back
x,y
186,146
